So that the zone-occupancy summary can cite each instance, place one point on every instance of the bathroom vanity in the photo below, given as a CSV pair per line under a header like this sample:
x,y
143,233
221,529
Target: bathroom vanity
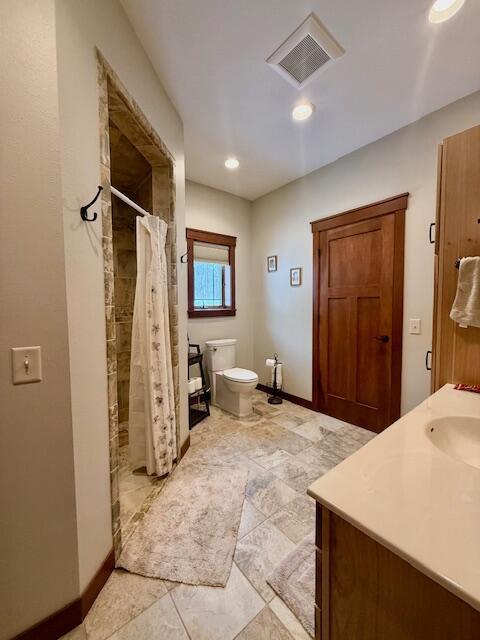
x,y
398,530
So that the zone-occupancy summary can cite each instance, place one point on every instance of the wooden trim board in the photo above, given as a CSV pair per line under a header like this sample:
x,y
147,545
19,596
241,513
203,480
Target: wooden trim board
x,y
211,237
196,235
287,396
359,214
185,447
69,617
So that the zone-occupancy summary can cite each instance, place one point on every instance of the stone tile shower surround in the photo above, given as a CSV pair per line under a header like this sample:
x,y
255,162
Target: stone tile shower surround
x,y
117,106
125,271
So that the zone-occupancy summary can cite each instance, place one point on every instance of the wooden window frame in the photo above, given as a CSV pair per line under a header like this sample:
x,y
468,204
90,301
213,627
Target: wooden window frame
x,y
196,235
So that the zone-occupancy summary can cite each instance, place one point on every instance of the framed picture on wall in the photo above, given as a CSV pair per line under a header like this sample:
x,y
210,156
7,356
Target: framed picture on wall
x,y
272,263
296,277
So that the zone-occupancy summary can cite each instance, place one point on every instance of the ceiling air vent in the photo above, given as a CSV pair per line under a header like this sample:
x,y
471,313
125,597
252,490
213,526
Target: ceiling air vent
x,y
305,53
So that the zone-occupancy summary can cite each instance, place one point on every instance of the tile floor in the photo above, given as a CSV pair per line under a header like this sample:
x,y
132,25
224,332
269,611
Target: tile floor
x,y
135,488
285,448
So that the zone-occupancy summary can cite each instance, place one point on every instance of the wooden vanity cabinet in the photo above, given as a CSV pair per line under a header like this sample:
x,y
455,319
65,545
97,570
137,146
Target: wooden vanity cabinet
x,y
366,592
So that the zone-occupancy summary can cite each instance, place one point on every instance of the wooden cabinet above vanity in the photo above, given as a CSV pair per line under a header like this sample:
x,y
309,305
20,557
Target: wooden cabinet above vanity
x,y
398,531
456,350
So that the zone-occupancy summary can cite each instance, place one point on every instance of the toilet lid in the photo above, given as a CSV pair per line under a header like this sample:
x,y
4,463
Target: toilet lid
x,y
240,375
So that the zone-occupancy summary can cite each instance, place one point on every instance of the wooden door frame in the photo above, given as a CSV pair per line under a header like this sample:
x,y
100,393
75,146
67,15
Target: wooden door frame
x,y
397,205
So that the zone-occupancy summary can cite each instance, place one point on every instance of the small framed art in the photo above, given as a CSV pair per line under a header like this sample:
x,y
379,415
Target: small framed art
x,y
296,277
272,263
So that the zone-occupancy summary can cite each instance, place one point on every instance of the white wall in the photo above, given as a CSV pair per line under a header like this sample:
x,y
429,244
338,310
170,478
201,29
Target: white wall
x,y
212,210
38,535
82,26
403,161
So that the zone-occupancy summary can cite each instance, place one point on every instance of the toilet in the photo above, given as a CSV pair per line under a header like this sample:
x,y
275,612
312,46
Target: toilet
x,y
231,386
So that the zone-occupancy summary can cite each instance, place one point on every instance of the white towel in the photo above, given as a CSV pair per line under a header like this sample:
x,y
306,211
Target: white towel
x,y
466,307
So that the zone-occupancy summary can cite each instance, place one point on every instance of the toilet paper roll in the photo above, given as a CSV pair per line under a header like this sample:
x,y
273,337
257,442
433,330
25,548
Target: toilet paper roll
x,y
270,362
191,386
279,376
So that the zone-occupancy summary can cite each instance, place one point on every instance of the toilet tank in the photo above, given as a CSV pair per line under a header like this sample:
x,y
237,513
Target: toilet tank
x,y
221,354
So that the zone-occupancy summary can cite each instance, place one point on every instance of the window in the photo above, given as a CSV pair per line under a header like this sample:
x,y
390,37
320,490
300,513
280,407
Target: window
x,y
211,274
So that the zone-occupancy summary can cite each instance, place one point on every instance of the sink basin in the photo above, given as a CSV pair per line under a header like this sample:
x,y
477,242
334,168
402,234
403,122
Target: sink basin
x,y
458,437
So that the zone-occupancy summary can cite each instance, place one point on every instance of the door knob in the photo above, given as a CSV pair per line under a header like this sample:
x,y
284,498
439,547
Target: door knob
x,y
382,338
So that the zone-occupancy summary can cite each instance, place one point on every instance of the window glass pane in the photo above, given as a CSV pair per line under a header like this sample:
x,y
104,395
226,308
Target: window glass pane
x,y
207,284
228,289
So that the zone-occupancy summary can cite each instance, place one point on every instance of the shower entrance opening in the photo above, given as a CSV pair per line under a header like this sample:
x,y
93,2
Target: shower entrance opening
x,y
134,163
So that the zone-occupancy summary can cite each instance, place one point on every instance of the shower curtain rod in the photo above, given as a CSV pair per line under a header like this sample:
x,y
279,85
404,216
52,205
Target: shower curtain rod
x,y
131,203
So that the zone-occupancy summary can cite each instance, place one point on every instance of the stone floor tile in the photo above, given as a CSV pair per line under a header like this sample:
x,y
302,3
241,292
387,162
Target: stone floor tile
x,y
131,502
312,430
288,619
339,445
215,451
288,420
266,626
267,493
251,518
296,474
259,552
319,460
280,445
79,633
216,613
159,622
297,519
356,433
267,460
123,598
297,410
264,409
333,424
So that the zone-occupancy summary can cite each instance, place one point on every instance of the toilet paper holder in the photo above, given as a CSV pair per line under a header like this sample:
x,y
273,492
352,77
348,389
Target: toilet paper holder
x,y
275,397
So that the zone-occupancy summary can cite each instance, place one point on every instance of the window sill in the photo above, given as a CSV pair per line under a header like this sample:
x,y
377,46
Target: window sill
x,y
210,313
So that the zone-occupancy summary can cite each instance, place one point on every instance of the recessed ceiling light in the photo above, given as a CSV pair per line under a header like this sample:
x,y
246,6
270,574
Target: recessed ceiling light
x,y
303,111
444,9
232,163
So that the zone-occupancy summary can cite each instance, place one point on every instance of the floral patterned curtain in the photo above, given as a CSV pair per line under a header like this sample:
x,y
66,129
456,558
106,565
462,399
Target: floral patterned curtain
x,y
152,427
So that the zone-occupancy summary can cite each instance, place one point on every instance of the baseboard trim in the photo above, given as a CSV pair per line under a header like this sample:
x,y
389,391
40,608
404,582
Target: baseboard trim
x,y
97,583
185,447
66,619
56,625
308,404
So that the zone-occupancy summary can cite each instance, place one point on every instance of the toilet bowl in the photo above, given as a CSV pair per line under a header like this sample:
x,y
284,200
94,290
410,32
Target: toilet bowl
x,y
231,387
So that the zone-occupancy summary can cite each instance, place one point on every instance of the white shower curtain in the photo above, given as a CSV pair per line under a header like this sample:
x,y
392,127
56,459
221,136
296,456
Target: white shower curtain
x,y
152,428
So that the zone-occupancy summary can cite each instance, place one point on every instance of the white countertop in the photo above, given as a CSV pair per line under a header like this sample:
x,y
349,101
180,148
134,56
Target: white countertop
x,y
412,498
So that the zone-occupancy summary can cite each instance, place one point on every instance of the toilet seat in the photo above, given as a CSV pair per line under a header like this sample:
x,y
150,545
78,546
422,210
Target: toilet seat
x,y
240,375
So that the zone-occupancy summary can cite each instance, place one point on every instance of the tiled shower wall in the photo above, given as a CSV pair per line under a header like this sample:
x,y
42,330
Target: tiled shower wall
x,y
125,271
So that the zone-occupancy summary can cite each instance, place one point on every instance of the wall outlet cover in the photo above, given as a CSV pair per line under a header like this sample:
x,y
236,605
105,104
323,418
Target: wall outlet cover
x,y
415,326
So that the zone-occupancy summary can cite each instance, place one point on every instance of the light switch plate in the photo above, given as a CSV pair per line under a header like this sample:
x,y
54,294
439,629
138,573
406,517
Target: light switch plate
x,y
415,326
26,365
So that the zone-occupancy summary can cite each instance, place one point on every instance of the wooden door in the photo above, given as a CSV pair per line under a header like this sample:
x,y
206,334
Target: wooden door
x,y
359,305
456,351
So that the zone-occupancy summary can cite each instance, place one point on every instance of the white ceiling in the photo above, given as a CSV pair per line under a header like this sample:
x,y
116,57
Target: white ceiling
x,y
210,56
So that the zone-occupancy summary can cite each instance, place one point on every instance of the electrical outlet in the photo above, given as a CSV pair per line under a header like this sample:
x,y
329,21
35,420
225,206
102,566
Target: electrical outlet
x,y
415,326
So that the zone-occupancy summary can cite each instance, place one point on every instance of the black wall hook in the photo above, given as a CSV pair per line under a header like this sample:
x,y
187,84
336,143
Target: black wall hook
x,y
182,260
84,209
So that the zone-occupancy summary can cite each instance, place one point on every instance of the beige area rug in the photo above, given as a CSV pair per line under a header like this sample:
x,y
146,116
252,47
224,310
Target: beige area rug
x,y
294,582
190,530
